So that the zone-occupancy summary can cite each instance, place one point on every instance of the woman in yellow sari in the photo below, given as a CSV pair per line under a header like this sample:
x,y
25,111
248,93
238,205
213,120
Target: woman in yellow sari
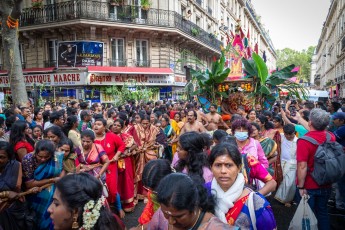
x,y
177,125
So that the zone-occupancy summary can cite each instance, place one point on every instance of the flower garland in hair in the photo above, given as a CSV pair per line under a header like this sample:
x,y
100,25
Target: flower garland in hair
x,y
91,213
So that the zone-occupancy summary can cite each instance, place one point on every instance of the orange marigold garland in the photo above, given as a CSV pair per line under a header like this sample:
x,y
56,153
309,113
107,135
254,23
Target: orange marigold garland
x,y
12,23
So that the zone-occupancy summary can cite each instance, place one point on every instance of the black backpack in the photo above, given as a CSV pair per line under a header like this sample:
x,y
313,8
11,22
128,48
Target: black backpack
x,y
329,161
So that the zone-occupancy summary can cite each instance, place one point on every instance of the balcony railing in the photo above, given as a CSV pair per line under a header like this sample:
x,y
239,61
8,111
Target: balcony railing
x,y
103,11
142,63
50,64
118,62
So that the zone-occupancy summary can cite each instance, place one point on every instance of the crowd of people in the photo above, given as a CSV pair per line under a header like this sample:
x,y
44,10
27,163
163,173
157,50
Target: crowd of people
x,y
85,167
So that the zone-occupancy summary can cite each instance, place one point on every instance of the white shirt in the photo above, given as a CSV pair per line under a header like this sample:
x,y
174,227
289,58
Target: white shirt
x,y
288,149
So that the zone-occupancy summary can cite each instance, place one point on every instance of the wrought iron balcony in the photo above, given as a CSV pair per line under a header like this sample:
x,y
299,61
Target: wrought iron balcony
x,y
142,63
50,63
118,62
103,11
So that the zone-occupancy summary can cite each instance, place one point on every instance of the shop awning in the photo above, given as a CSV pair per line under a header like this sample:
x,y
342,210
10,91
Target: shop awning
x,y
130,70
33,70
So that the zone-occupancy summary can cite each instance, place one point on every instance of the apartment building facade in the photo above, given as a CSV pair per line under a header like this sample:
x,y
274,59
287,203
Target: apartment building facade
x,y
329,57
81,45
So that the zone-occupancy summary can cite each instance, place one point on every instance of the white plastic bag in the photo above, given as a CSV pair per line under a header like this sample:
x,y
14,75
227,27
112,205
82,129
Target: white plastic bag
x,y
304,218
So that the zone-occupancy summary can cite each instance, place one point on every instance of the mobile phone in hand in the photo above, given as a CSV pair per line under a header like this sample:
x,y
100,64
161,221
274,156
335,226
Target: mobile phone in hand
x,y
292,110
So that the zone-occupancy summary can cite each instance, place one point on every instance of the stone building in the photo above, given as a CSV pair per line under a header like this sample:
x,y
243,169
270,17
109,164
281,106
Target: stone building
x,y
329,57
79,44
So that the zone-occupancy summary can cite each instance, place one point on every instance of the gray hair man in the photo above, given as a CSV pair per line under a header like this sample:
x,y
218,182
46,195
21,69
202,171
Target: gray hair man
x,y
319,195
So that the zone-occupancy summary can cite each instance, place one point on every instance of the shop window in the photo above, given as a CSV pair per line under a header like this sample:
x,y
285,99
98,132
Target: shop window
x,y
52,52
22,55
142,53
117,52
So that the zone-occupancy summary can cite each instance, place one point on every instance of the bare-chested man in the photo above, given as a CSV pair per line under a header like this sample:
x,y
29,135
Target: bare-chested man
x,y
200,115
192,124
214,119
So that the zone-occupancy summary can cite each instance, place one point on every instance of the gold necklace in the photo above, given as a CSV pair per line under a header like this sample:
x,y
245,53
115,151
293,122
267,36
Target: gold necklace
x,y
196,220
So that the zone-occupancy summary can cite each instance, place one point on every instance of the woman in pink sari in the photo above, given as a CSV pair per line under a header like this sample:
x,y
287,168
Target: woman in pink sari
x,y
125,166
91,156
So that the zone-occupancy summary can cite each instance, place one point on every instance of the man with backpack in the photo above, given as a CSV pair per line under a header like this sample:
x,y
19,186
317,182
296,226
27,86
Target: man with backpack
x,y
306,150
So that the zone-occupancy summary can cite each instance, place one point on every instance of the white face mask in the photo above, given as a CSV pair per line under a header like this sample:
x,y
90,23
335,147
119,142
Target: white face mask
x,y
241,136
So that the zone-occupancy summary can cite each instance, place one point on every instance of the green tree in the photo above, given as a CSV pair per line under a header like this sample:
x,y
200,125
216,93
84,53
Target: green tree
x,y
302,58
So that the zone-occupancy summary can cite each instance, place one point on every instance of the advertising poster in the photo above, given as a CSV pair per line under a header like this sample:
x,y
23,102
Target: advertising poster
x,y
80,53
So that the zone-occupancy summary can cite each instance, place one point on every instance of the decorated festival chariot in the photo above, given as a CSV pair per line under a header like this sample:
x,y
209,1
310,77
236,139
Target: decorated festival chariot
x,y
240,78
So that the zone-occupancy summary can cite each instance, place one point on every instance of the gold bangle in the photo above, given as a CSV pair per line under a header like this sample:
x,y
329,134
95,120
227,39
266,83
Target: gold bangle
x,y
4,194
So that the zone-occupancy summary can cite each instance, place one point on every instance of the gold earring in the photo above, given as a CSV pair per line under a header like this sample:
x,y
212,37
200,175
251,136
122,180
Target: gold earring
x,y
75,224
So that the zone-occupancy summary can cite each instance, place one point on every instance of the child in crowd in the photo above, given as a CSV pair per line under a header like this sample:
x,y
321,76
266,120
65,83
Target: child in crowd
x,y
287,188
70,157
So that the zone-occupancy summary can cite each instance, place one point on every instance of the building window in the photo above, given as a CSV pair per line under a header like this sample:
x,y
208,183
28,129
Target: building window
x,y
141,46
1,62
197,21
117,52
183,11
22,55
52,49
184,58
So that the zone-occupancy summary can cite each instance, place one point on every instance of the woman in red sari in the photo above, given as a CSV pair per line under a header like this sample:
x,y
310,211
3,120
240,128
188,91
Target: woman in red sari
x,y
145,138
125,166
114,147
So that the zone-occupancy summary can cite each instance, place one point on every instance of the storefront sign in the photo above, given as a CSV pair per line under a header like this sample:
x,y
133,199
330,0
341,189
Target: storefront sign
x,y
53,79
119,79
80,53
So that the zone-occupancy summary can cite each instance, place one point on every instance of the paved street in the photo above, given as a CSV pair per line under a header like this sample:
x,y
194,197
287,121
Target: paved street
x,y
282,214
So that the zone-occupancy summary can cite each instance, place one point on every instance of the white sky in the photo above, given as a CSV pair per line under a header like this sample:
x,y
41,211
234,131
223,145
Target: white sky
x,y
294,24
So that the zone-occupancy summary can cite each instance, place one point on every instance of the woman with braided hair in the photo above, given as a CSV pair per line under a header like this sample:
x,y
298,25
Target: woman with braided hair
x,y
78,204
191,158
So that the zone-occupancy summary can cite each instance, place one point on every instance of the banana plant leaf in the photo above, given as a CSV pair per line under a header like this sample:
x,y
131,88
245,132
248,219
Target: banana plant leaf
x,y
261,68
222,76
250,67
280,76
264,90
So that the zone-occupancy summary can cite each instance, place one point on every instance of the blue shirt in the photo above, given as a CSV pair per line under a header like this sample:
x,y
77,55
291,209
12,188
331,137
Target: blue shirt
x,y
340,135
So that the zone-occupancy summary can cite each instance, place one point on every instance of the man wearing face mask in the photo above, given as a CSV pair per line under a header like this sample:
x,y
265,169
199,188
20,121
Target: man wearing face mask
x,y
242,130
